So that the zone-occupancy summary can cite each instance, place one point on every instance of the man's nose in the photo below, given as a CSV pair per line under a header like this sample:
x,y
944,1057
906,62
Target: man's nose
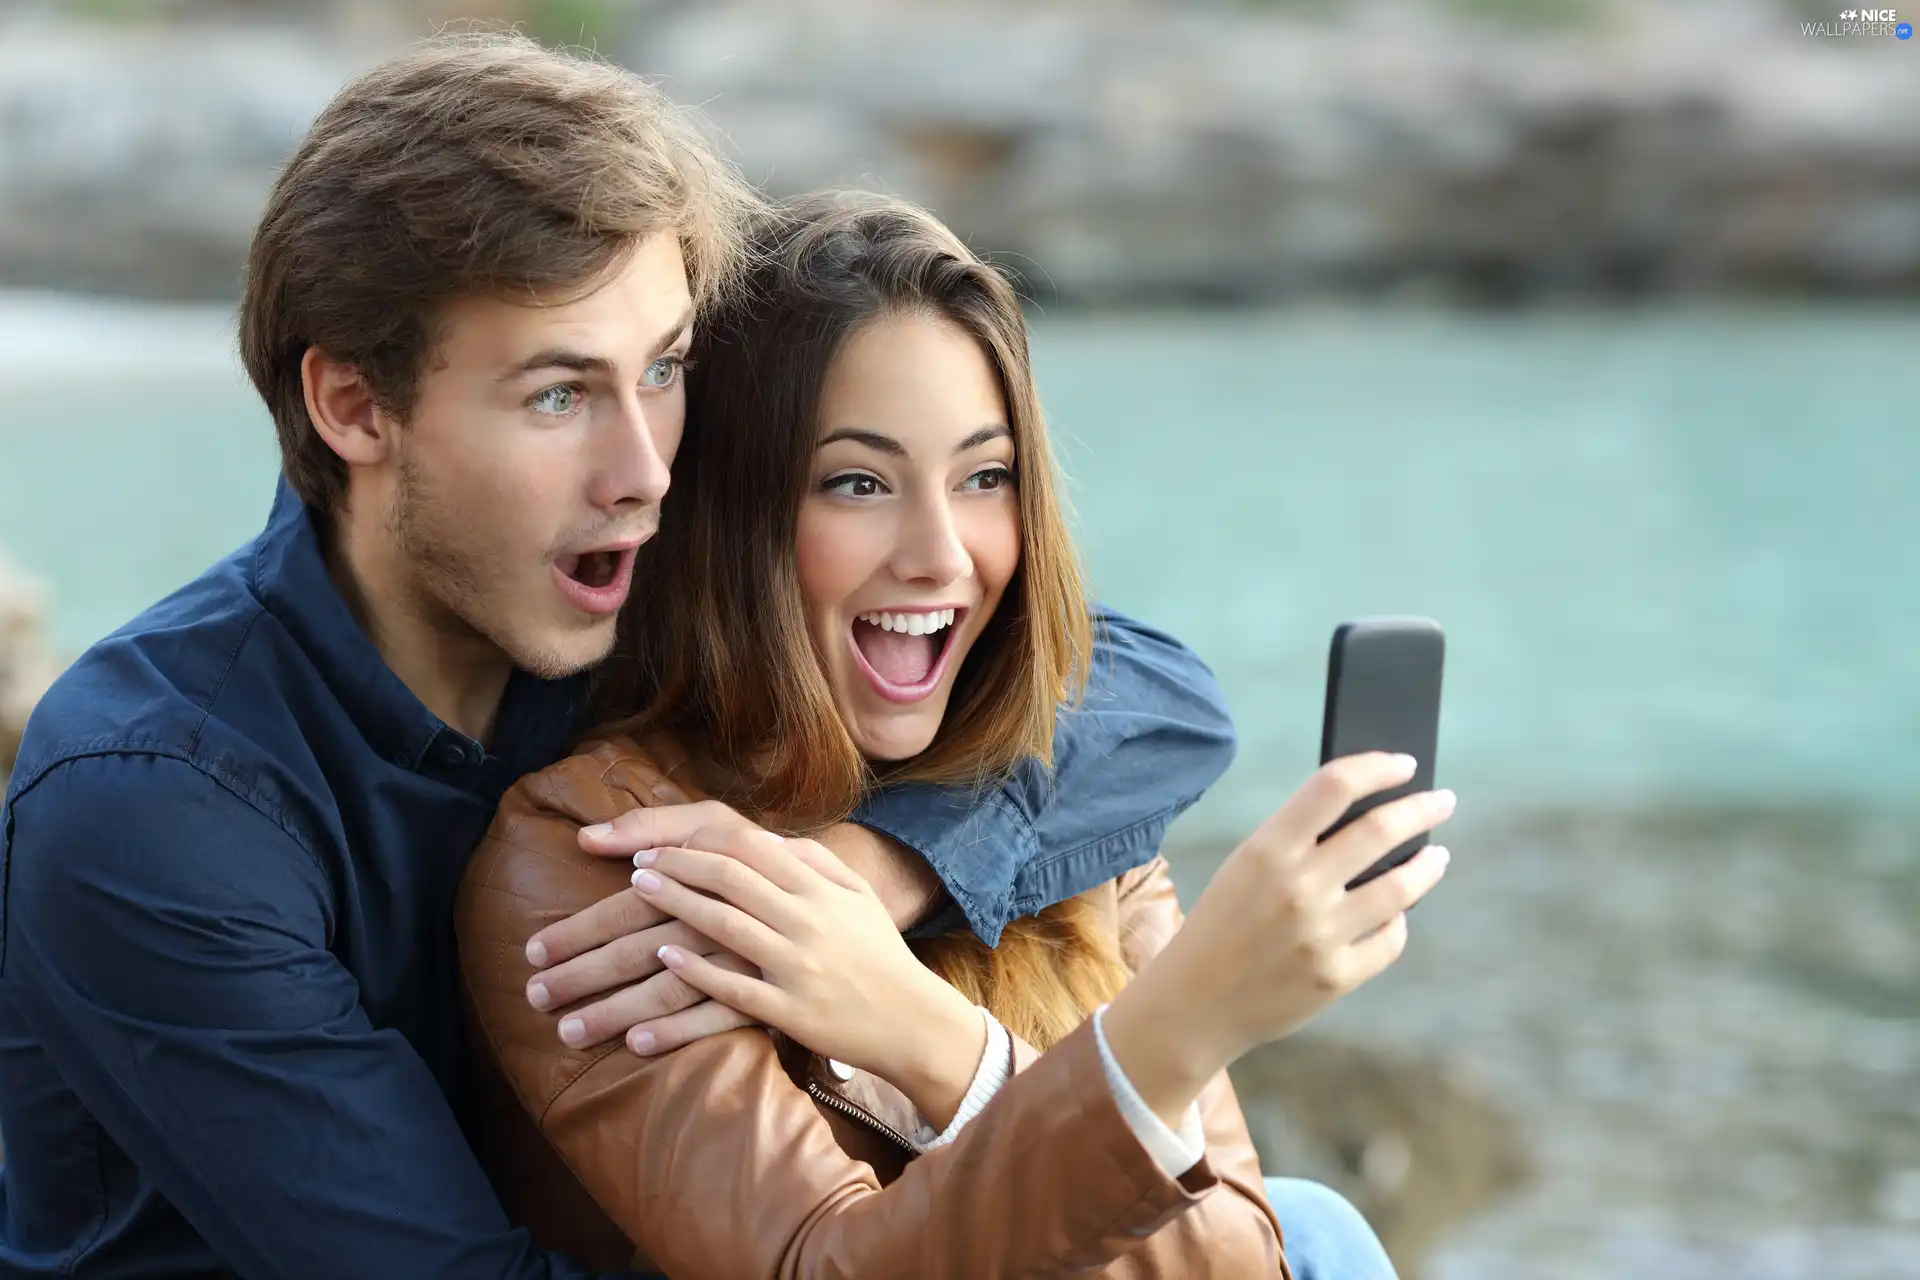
x,y
633,468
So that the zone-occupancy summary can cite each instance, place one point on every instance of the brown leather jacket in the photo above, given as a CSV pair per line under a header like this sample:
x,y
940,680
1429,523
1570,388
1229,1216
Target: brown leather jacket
x,y
743,1156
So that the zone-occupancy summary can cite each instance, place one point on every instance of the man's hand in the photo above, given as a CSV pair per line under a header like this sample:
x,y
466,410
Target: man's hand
x,y
614,945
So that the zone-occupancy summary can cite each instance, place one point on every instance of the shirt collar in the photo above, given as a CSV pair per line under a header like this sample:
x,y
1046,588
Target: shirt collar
x,y
291,579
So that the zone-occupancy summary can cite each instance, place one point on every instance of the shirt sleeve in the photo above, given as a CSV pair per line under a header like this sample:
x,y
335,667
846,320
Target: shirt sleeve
x,y
991,1076
168,946
1151,735
1174,1150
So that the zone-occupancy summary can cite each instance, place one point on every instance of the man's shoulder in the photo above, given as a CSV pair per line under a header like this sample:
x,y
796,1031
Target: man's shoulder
x,y
151,686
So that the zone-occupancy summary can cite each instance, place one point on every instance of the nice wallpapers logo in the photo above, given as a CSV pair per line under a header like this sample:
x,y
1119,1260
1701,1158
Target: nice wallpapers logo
x,y
1861,22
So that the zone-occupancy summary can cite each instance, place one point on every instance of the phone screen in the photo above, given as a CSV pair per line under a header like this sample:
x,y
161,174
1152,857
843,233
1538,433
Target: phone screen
x,y
1383,694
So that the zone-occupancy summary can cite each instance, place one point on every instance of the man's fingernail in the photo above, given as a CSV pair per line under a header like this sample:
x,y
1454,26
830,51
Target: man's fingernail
x,y
1440,854
573,1031
538,996
598,829
1444,800
537,954
642,1042
671,957
1404,762
646,857
646,882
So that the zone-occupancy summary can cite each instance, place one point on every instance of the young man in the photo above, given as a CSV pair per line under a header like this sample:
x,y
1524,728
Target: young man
x,y
230,1036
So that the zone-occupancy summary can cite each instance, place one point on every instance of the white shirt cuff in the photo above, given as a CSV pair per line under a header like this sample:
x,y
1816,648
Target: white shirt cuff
x,y
995,1069
1174,1150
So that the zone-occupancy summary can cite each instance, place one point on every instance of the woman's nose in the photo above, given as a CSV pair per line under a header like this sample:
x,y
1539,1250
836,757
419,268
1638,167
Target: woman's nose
x,y
931,546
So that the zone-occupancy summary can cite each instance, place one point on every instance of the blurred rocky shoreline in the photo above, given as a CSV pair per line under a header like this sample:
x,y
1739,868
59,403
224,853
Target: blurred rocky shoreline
x,y
1118,153
27,662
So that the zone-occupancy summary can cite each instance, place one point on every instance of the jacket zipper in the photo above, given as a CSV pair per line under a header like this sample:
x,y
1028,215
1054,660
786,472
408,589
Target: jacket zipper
x,y
866,1117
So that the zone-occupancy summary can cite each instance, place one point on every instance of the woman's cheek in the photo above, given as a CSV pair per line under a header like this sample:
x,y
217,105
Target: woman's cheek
x,y
829,554
996,543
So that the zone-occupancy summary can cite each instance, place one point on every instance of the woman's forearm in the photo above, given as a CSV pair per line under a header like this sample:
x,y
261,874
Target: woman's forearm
x,y
1163,1040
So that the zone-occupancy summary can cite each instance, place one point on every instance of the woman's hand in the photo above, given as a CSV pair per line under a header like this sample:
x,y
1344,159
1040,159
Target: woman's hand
x,y
1277,936
834,972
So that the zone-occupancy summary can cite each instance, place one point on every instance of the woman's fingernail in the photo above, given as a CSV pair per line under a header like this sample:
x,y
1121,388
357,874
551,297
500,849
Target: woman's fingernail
x,y
1443,800
598,829
646,882
573,1031
538,996
1404,762
646,857
671,957
1440,854
537,954
642,1042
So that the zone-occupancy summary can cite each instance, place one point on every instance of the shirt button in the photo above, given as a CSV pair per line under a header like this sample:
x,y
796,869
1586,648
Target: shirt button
x,y
839,1070
453,753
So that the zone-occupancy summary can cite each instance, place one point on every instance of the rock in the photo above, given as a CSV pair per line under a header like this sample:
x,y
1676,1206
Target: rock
x,y
138,160
27,664
1417,1147
1108,154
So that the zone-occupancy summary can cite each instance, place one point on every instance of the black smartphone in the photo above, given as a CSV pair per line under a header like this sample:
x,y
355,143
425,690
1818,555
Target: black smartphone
x,y
1383,694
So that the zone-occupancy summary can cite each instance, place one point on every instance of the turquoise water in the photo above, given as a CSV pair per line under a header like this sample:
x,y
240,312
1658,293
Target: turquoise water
x,y
1674,553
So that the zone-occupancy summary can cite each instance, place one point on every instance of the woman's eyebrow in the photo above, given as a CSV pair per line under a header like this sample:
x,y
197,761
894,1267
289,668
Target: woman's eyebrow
x,y
984,434
894,449
872,439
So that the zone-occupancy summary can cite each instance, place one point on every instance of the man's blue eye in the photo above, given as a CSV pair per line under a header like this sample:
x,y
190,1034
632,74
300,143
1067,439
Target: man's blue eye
x,y
663,372
557,401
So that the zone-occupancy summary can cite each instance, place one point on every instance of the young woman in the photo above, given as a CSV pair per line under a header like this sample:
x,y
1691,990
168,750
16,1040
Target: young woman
x,y
864,575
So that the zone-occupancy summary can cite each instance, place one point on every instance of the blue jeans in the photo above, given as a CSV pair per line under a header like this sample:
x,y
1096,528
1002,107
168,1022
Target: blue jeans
x,y
1326,1238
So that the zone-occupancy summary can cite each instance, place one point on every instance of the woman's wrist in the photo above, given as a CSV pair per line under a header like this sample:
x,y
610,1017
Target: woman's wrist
x,y
941,1057
1166,1037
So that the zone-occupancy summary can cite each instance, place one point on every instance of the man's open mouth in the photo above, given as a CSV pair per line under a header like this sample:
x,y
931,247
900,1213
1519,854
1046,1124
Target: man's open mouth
x,y
596,569
595,582
905,653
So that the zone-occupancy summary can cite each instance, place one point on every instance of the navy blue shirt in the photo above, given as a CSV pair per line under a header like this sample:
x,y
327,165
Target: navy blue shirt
x,y
230,1032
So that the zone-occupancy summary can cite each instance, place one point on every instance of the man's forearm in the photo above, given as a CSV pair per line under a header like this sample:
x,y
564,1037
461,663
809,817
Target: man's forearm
x,y
901,877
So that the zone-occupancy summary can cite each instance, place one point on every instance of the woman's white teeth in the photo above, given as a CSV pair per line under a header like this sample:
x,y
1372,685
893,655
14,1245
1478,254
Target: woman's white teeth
x,y
913,624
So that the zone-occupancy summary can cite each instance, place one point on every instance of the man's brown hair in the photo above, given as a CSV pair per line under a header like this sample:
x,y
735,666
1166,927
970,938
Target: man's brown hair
x,y
475,164
715,649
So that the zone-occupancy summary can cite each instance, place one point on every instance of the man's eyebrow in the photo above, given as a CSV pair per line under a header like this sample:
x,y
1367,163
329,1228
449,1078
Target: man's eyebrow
x,y
894,449
675,332
559,358
582,362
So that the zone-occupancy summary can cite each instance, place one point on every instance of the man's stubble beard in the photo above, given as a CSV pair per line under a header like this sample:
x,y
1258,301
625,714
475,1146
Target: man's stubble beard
x,y
459,586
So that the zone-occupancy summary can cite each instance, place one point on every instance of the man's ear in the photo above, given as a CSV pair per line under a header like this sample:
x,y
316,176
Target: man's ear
x,y
343,410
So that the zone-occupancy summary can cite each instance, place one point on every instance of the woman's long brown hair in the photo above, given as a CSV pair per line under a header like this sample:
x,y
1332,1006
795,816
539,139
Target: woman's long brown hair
x,y
716,650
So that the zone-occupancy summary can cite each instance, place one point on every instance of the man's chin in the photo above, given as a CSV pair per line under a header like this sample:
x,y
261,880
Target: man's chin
x,y
557,656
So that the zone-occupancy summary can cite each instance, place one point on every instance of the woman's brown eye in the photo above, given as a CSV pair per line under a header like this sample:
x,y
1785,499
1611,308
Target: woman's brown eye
x,y
990,479
853,485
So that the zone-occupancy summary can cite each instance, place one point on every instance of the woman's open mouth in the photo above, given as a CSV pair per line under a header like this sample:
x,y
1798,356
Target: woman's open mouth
x,y
596,582
904,654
